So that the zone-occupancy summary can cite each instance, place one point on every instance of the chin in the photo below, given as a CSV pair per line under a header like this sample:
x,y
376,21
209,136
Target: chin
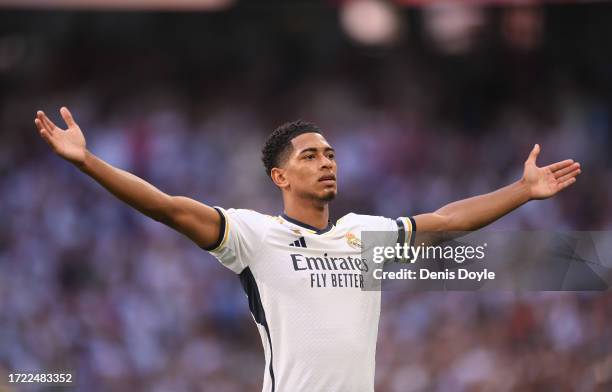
x,y
329,196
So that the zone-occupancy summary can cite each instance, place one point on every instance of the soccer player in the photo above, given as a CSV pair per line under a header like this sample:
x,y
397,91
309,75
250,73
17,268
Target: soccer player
x,y
301,273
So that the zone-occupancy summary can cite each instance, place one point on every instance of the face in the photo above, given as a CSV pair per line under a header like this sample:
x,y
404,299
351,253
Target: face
x,y
310,170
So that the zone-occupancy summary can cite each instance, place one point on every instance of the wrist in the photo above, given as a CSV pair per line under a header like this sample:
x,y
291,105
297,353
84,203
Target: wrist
x,y
85,164
524,190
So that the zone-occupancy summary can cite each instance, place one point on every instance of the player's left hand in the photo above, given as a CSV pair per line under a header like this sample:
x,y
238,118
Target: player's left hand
x,y
547,181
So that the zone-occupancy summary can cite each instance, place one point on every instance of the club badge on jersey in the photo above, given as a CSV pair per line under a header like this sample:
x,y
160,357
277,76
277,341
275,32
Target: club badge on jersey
x,y
352,240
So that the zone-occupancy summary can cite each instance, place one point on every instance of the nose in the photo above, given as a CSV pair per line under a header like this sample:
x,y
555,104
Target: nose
x,y
327,163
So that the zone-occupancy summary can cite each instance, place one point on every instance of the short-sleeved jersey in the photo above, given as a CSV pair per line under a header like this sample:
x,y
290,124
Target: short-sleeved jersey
x,y
305,292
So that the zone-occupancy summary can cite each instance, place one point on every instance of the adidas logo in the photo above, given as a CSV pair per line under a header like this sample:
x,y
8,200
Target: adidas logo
x,y
299,243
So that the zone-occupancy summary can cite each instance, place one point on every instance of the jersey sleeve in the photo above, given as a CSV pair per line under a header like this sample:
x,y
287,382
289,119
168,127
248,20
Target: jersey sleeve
x,y
406,230
396,231
401,230
240,236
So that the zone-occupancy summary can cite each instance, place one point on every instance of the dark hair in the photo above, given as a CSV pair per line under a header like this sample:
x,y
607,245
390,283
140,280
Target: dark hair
x,y
279,142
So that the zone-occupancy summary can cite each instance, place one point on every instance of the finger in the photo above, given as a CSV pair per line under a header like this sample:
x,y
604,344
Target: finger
x,y
567,183
569,176
41,126
38,124
46,136
41,120
534,154
49,125
67,116
568,169
560,165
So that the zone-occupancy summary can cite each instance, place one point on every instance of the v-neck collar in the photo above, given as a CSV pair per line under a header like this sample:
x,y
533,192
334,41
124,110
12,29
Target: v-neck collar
x,y
306,226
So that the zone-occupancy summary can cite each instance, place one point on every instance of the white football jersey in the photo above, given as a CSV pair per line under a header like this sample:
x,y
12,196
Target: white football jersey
x,y
305,292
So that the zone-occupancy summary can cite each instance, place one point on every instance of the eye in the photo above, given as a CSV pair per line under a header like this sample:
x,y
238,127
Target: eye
x,y
310,157
331,156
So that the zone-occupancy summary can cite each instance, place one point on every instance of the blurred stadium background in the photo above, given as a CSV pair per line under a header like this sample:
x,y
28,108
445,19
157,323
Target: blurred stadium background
x,y
426,103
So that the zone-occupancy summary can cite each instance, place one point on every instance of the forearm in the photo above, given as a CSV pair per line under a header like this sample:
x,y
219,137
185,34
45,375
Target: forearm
x,y
127,187
478,211
201,223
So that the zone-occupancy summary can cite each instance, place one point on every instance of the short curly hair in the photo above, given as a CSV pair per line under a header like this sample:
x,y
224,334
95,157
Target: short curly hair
x,y
278,144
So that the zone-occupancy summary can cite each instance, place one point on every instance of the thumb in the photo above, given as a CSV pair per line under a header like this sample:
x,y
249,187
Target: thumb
x,y
67,116
533,155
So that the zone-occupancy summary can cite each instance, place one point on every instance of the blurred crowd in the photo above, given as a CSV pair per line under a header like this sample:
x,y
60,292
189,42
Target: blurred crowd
x,y
89,286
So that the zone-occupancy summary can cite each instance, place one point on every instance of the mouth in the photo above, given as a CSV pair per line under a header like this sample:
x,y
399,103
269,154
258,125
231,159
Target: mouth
x,y
329,178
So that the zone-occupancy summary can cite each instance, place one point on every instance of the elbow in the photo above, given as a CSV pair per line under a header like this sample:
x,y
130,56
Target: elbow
x,y
162,211
449,222
157,215
161,218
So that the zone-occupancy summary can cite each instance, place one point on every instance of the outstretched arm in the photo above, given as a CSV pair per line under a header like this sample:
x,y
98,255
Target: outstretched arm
x,y
197,221
476,212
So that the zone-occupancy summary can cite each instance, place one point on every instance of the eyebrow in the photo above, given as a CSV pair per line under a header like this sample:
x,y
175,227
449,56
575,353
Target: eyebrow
x,y
314,149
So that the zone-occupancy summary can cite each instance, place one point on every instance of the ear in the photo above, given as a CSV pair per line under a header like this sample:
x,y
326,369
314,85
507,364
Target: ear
x,y
279,177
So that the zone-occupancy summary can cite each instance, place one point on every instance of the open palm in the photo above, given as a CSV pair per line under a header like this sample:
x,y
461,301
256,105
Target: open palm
x,y
547,181
68,143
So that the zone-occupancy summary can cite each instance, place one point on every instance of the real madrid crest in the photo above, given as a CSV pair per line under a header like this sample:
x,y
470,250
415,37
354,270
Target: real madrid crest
x,y
352,240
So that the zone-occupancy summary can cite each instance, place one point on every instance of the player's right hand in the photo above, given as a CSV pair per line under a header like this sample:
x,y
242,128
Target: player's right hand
x,y
68,143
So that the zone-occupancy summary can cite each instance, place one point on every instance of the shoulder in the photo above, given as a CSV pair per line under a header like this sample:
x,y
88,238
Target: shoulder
x,y
243,216
243,213
366,222
241,232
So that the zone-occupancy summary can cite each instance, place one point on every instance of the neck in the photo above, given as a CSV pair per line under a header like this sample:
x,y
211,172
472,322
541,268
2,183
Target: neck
x,y
312,212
